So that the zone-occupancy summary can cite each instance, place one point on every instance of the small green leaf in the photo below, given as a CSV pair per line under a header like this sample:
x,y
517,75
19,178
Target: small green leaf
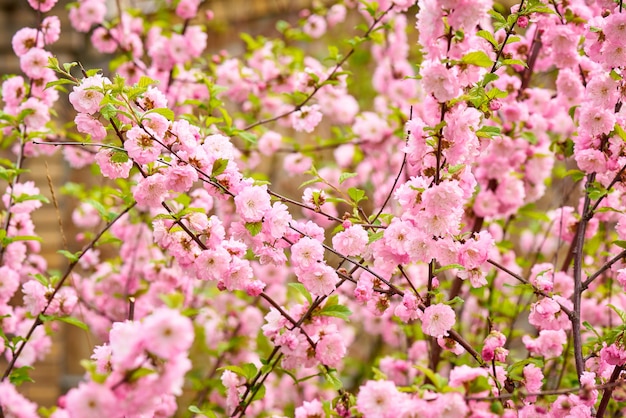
x,y
219,166
70,256
331,377
73,321
166,113
300,288
478,58
620,243
337,311
254,227
448,267
345,176
576,175
139,373
119,157
356,195
20,375
488,36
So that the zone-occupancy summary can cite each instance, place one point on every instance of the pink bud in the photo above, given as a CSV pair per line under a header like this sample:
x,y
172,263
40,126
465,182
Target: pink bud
x,y
522,21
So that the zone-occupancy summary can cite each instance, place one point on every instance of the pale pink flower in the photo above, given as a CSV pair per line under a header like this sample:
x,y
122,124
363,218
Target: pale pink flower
x,y
252,203
14,404
319,278
370,127
460,375
85,97
167,333
51,28
92,400
378,399
39,117
141,147
113,169
212,264
440,81
336,13
43,6
315,26
151,191
13,90
34,63
22,192
277,220
87,14
187,9
474,252
438,319
493,348
596,120
549,343
25,39
89,125
311,409
269,142
180,178
297,163
533,379
8,285
306,119
352,241
306,253
591,160
330,349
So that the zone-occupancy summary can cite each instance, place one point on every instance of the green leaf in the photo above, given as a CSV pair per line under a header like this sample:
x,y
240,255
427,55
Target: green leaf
x,y
59,82
618,311
345,176
108,111
235,369
620,243
376,236
139,373
337,311
20,375
70,256
119,157
165,112
478,58
331,377
260,394
480,384
488,36
249,370
146,81
514,62
300,288
198,411
448,267
438,381
254,227
576,175
173,300
487,131
356,195
73,321
219,166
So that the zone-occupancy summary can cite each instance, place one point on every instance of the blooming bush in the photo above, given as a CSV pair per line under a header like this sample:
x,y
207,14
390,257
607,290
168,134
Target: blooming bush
x,y
457,248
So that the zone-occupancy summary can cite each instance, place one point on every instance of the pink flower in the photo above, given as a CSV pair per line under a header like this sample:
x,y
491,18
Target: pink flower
x,y
22,192
110,168
371,128
306,119
549,343
438,319
252,203
311,409
24,40
493,348
319,278
474,252
440,81
88,13
378,399
533,379
89,125
13,91
151,191
306,253
86,97
39,117
269,142
167,333
141,147
180,178
8,285
315,26
596,120
212,264
461,375
14,404
330,349
92,400
51,28
352,241
187,9
34,63
43,6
